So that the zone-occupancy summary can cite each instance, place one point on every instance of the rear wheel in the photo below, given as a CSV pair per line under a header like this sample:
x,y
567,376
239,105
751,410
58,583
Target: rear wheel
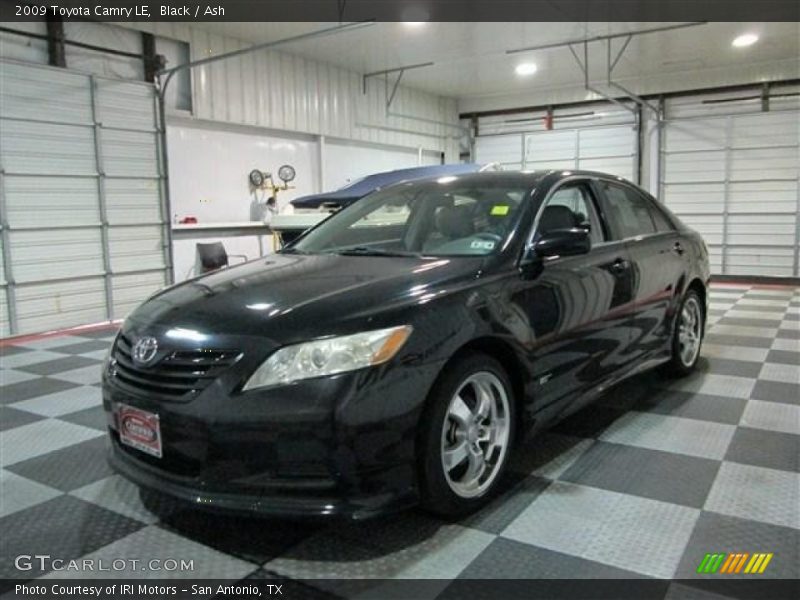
x,y
688,336
467,435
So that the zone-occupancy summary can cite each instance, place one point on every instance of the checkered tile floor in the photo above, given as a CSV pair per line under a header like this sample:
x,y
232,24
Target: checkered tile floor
x,y
643,483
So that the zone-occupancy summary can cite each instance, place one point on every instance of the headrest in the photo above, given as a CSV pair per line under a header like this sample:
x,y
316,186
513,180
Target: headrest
x,y
556,217
455,221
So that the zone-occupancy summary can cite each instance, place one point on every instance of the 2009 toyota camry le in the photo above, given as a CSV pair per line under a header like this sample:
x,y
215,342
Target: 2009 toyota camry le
x,y
396,352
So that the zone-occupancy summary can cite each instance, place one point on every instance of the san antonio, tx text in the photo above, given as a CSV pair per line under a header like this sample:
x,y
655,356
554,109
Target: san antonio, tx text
x,y
143,10
144,590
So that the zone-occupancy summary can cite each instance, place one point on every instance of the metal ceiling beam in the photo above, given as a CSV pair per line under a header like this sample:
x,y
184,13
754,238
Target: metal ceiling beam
x,y
387,72
600,38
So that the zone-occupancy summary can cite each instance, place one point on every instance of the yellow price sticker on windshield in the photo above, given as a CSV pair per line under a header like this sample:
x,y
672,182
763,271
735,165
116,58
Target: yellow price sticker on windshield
x,y
499,210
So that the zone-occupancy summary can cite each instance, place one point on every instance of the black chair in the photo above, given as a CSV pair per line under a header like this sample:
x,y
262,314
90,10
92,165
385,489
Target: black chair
x,y
210,257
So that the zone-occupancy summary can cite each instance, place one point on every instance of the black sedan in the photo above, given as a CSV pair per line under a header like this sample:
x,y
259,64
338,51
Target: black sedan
x,y
395,353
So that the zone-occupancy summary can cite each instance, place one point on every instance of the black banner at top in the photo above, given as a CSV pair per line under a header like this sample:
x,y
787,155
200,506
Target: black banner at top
x,y
403,10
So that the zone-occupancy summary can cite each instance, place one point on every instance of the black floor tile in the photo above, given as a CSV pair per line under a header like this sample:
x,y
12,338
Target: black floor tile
x,y
83,347
509,559
508,505
68,468
737,340
59,365
11,417
762,448
746,322
99,333
252,539
776,391
704,407
726,366
784,356
290,588
589,422
720,533
12,350
789,334
664,476
94,417
25,390
64,527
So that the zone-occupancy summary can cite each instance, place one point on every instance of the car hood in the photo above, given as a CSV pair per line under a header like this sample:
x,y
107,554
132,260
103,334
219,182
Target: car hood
x,y
289,297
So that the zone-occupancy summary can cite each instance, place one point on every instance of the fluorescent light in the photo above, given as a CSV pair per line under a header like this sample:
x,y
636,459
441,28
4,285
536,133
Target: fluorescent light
x,y
525,69
414,24
744,40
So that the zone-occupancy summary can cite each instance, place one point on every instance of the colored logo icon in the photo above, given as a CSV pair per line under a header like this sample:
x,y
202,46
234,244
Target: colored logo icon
x,y
735,563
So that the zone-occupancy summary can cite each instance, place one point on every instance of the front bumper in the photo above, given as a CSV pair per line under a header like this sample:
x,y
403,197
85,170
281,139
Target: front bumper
x,y
336,446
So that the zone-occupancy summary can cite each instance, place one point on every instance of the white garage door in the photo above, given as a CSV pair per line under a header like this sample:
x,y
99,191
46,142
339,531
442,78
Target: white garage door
x,y
734,178
83,229
601,139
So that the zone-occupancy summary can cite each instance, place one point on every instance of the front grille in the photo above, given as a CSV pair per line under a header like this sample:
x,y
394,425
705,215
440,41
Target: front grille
x,y
180,374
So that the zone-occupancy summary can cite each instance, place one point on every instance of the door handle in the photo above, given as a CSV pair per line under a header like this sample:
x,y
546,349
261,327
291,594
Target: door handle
x,y
619,265
677,248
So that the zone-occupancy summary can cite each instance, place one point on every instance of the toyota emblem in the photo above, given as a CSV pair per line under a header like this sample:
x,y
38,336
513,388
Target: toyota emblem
x,y
144,350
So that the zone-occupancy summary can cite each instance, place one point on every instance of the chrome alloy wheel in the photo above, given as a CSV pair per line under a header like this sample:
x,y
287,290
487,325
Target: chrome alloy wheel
x,y
690,331
475,434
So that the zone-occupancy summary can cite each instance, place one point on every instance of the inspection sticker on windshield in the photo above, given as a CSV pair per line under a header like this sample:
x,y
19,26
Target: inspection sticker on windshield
x,y
482,245
499,210
139,429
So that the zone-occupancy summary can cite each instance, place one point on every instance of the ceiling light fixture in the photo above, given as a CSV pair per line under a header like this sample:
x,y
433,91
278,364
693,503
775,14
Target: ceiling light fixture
x,y
744,40
413,24
525,69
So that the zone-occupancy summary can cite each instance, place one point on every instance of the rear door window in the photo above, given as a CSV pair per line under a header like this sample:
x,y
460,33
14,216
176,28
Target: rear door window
x,y
628,211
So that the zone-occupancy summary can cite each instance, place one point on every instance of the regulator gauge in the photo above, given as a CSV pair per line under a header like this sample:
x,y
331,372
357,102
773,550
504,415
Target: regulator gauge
x,y
286,173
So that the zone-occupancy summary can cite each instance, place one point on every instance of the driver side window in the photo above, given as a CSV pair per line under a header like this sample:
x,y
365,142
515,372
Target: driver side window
x,y
571,206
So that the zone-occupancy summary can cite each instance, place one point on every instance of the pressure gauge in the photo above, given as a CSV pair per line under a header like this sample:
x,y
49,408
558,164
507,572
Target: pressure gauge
x,y
256,178
286,173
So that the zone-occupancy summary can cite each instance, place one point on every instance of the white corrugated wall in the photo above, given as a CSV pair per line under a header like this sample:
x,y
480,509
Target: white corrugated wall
x,y
732,171
602,138
279,90
80,193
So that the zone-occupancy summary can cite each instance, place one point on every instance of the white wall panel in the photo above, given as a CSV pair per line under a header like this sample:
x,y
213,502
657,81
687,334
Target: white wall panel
x,y
71,213
60,304
346,162
209,166
36,148
748,210
282,91
503,149
55,254
42,202
129,290
136,248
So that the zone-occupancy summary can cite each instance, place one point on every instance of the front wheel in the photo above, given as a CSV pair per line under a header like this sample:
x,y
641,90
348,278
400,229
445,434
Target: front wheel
x,y
466,437
688,336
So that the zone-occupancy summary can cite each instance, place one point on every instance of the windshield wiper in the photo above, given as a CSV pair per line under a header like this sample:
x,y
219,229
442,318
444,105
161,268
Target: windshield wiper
x,y
366,251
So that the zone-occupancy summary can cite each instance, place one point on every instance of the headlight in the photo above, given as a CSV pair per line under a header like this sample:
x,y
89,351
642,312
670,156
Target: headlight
x,y
329,356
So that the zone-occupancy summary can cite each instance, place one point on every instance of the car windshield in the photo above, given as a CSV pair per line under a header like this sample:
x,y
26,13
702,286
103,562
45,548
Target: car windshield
x,y
440,218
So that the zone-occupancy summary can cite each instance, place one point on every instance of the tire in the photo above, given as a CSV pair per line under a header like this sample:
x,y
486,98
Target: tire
x,y
684,360
449,428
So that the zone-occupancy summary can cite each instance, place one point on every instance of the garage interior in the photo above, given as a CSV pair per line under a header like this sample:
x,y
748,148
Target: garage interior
x,y
109,179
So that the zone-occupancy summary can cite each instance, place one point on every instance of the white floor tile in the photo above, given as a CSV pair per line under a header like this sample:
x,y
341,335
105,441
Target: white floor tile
x,y
62,403
19,493
621,530
39,438
117,494
773,416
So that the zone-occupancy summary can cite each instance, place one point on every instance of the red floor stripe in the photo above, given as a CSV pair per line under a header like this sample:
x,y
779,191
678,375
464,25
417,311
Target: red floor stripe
x,y
21,339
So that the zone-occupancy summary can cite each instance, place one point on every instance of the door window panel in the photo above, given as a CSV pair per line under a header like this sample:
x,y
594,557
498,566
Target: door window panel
x,y
627,210
571,206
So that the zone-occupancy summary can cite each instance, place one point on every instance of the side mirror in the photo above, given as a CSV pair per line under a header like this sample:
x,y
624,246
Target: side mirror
x,y
563,242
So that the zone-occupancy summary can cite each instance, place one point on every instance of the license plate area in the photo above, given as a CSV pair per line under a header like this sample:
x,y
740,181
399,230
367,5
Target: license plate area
x,y
139,429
